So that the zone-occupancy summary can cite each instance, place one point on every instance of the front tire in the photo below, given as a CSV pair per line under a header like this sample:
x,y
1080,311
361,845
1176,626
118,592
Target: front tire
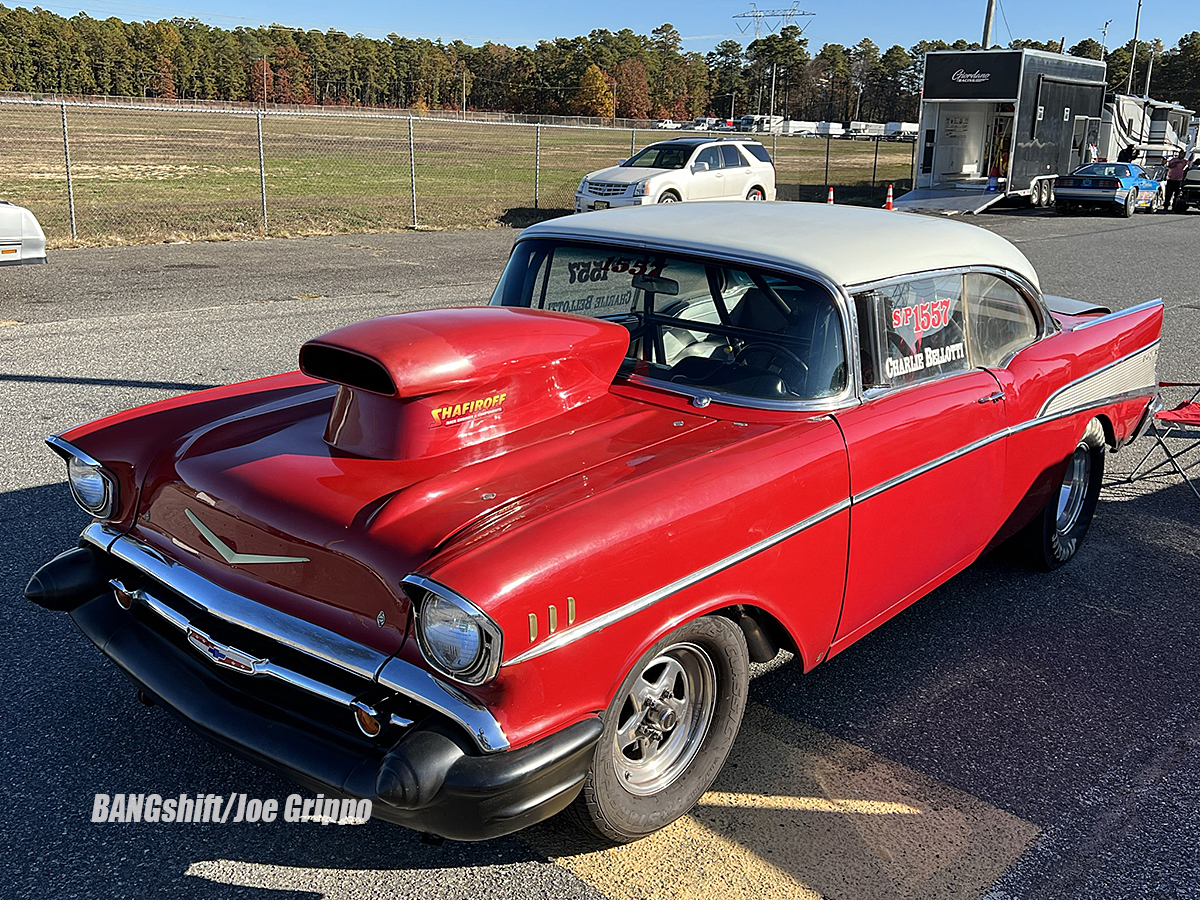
x,y
667,731
669,197
1055,536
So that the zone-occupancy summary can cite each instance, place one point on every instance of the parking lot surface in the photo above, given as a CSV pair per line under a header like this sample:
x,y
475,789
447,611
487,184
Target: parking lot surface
x,y
1013,735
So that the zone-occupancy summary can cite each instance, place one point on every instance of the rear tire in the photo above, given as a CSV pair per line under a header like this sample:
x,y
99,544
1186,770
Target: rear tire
x,y
1130,206
667,731
1055,536
756,193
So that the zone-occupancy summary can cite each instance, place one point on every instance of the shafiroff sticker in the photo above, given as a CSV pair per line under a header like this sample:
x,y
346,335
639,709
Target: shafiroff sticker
x,y
193,809
460,412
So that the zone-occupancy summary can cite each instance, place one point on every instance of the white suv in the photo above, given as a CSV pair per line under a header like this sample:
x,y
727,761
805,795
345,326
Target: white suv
x,y
682,169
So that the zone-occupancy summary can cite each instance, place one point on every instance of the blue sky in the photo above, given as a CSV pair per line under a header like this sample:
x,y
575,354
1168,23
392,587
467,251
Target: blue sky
x,y
703,23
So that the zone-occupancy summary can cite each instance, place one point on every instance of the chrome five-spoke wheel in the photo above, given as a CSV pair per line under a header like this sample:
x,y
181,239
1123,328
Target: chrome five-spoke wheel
x,y
664,718
667,731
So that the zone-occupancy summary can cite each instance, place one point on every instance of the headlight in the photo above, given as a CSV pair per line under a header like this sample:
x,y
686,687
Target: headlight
x,y
582,189
639,189
92,486
455,636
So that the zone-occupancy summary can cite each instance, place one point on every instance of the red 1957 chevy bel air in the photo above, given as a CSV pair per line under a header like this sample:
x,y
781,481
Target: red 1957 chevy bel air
x,y
485,565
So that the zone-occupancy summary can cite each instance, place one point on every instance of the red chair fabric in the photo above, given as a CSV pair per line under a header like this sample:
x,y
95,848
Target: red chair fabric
x,y
1181,422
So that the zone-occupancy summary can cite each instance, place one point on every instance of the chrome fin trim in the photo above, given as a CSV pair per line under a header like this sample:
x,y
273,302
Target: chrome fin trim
x,y
563,638
1135,372
1119,314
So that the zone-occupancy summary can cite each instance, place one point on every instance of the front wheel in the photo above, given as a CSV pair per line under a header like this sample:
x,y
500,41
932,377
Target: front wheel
x,y
667,731
669,197
1056,535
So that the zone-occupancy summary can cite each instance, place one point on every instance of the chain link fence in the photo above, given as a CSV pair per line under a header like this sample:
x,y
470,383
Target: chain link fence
x,y
105,173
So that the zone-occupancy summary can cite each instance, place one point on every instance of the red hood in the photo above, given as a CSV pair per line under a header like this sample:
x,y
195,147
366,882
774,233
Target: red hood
x,y
264,492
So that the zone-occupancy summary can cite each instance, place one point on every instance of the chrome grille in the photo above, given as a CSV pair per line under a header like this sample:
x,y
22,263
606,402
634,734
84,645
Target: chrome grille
x,y
606,188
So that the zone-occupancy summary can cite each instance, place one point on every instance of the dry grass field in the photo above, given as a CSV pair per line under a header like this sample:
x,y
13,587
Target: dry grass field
x,y
143,175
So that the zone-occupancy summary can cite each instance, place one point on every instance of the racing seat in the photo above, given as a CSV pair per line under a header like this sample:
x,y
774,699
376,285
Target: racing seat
x,y
1180,423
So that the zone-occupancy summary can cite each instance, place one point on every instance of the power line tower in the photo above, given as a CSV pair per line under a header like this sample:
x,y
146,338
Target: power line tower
x,y
772,19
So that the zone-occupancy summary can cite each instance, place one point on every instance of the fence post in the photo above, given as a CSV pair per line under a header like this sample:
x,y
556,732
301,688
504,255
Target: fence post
x,y
875,166
828,143
412,168
912,168
262,173
774,145
537,164
67,157
632,142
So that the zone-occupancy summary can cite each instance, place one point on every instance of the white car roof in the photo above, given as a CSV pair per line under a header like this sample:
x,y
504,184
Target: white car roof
x,y
848,245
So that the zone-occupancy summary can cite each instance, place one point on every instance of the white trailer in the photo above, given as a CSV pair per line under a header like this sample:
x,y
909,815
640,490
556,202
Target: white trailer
x,y
830,129
901,130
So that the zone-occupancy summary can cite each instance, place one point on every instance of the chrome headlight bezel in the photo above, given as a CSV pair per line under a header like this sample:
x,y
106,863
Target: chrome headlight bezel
x,y
641,188
79,466
482,668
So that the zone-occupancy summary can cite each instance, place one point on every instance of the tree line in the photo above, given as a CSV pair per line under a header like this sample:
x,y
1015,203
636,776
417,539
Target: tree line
x,y
601,74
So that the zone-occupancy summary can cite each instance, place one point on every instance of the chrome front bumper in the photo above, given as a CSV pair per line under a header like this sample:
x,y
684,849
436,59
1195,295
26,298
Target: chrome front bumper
x,y
372,668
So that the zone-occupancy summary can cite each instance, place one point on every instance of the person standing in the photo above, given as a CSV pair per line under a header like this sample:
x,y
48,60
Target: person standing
x,y
1176,168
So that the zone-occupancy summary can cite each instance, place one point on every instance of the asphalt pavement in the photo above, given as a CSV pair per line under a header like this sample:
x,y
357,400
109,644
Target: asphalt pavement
x,y
1013,735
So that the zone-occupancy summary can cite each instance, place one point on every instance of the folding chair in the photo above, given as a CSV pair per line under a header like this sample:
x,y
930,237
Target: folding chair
x,y
1185,419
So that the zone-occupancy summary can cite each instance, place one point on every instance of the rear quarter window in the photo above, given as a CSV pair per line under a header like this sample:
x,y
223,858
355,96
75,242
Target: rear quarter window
x,y
758,151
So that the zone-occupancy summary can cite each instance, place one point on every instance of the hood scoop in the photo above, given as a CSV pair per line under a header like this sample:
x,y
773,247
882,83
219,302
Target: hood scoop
x,y
425,383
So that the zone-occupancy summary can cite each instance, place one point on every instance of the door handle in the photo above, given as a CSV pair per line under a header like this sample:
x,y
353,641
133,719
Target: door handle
x,y
992,398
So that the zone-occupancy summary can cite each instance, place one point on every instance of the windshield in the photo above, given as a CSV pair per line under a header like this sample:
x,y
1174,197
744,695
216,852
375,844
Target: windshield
x,y
1104,170
660,156
718,327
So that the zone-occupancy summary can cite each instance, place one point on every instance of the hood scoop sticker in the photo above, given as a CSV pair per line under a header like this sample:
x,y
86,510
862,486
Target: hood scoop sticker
x,y
231,556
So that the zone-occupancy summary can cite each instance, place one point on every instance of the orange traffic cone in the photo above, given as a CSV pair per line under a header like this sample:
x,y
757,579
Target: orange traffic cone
x,y
888,203
829,199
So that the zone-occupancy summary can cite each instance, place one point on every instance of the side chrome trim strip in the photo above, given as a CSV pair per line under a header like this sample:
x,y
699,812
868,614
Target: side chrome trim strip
x,y
930,466
1135,371
405,678
310,639
562,638
1119,314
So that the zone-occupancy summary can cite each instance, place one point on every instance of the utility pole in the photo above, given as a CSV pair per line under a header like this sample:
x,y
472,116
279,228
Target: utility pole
x,y
1104,40
732,98
987,24
464,93
774,66
1137,22
264,74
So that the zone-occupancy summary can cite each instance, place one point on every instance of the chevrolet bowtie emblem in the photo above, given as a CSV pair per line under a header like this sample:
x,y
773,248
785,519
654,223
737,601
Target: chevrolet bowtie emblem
x,y
232,556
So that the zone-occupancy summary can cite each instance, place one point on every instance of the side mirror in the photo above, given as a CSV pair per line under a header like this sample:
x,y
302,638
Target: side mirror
x,y
700,167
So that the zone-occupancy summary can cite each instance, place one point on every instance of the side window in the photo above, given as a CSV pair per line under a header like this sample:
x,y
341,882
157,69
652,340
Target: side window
x,y
923,330
1001,321
732,158
710,155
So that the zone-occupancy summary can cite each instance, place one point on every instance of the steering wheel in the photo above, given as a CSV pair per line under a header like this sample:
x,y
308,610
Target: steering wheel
x,y
773,349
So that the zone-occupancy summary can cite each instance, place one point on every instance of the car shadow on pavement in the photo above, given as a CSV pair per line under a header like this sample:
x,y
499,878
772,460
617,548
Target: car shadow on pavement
x,y
104,382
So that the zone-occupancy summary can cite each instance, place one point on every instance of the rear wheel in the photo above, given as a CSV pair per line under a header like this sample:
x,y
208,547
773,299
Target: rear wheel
x,y
1055,536
1130,204
756,193
667,731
